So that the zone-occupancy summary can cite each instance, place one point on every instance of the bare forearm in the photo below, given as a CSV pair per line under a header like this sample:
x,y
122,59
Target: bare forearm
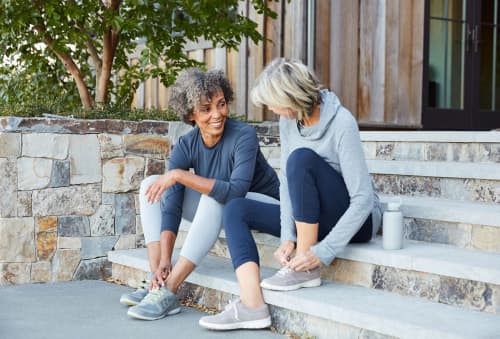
x,y
193,181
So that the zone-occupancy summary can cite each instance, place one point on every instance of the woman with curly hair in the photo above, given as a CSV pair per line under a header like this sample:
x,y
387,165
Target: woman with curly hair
x,y
217,161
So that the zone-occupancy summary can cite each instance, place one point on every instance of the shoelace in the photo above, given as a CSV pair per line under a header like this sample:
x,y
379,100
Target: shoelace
x,y
153,296
284,271
232,305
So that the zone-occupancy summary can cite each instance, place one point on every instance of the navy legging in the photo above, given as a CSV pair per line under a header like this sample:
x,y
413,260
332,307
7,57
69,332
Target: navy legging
x,y
318,195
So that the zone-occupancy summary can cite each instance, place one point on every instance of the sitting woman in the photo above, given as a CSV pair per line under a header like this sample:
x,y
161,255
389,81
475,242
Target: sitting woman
x,y
326,193
226,163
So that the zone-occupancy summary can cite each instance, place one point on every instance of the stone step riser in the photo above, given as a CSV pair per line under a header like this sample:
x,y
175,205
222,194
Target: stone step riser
x,y
462,235
458,189
284,321
474,295
433,151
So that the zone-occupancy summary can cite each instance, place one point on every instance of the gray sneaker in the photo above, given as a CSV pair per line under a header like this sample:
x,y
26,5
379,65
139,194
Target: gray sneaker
x,y
287,279
158,303
236,316
133,298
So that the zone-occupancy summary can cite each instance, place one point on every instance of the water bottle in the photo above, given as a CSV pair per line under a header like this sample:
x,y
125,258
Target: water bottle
x,y
392,227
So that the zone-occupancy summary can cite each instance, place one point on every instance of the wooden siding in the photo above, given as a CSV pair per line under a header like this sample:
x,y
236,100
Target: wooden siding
x,y
369,52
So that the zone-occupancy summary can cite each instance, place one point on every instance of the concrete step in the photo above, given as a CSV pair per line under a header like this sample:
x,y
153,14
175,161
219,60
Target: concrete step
x,y
450,275
335,310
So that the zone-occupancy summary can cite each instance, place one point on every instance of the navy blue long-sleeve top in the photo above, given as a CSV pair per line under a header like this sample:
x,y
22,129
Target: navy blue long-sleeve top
x,y
235,162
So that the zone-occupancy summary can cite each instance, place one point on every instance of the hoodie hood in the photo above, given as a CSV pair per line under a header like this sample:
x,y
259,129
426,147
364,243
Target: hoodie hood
x,y
330,105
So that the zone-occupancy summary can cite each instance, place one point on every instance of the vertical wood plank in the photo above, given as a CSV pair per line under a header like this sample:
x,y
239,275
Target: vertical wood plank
x,y
295,29
241,89
209,58
220,62
344,55
417,55
232,73
394,62
322,43
255,64
371,61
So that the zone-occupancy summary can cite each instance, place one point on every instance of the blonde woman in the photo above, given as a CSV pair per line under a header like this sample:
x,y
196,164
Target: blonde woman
x,y
326,193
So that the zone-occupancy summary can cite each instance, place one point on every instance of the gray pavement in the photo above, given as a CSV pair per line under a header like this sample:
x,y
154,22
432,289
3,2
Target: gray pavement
x,y
90,309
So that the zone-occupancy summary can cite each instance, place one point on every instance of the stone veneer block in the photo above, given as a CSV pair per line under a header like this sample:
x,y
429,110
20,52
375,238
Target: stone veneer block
x,y
60,174
493,152
111,146
95,247
8,187
73,226
33,173
46,224
349,272
486,238
408,151
125,242
102,222
122,174
176,129
407,282
137,204
14,273
436,152
69,243
438,232
108,199
21,232
471,294
46,244
154,166
64,264
73,200
138,225
124,214
10,145
464,152
128,275
384,151
40,272
24,204
156,146
46,145
85,157
93,269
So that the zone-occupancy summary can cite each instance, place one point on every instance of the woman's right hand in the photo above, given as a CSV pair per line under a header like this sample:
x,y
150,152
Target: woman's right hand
x,y
155,190
160,275
284,252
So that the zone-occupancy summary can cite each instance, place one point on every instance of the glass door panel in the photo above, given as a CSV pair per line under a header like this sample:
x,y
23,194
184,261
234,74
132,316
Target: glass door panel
x,y
447,44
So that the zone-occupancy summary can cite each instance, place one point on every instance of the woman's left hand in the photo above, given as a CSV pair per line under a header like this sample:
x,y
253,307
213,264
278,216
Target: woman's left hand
x,y
304,261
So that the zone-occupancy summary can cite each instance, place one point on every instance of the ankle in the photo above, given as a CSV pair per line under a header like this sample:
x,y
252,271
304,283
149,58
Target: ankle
x,y
252,305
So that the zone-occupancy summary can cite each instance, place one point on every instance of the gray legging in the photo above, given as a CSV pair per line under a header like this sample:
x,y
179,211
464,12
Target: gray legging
x,y
203,212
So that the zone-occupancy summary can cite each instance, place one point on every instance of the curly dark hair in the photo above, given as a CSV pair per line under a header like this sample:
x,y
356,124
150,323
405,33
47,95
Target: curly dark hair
x,y
192,85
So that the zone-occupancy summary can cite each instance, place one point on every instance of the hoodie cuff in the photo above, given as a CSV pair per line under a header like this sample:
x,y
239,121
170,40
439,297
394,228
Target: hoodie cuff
x,y
324,253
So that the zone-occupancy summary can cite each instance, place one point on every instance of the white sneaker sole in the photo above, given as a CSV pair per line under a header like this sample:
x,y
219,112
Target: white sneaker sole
x,y
131,313
311,283
251,324
128,302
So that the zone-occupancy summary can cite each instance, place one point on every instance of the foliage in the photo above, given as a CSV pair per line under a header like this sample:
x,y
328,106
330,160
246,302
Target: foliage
x,y
81,46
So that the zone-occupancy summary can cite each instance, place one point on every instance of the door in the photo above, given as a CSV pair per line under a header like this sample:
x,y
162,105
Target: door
x,y
461,80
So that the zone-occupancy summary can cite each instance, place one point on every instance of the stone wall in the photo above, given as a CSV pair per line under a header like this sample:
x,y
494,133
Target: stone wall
x,y
69,192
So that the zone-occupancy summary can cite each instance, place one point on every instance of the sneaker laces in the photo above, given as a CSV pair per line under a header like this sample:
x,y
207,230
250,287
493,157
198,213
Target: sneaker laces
x,y
284,271
153,296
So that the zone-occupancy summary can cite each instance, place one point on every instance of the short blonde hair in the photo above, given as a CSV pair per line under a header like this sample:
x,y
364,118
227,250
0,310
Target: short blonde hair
x,y
287,84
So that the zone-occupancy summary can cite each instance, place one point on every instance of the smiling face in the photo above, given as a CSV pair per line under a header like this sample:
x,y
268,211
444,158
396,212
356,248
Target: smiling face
x,y
210,117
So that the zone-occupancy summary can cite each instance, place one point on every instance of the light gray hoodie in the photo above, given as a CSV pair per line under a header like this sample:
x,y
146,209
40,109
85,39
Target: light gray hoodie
x,y
336,139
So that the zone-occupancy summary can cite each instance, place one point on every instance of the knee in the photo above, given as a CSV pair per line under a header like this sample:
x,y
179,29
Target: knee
x,y
234,213
299,158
